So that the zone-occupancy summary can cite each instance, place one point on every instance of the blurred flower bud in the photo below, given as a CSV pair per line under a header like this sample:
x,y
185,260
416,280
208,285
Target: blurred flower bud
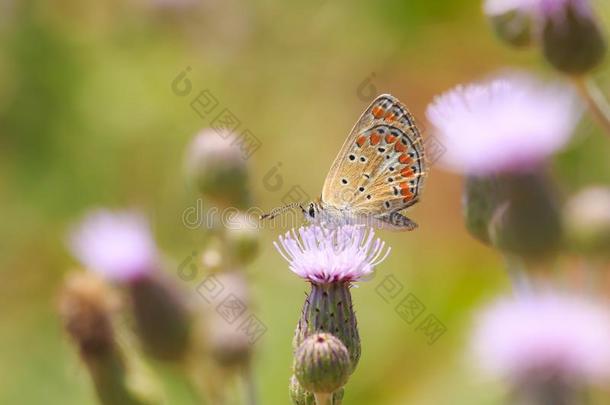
x,y
480,199
242,237
527,222
587,222
514,27
300,396
547,390
322,364
163,322
86,305
229,345
572,40
328,307
218,169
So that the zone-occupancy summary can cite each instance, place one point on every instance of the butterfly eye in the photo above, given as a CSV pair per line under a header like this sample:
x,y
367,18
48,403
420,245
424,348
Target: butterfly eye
x,y
312,211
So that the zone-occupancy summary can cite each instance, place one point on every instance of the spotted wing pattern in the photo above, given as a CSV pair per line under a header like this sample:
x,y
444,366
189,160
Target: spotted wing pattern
x,y
381,166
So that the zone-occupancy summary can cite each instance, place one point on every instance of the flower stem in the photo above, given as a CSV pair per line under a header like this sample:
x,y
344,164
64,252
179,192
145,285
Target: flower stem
x,y
323,399
249,385
595,99
517,273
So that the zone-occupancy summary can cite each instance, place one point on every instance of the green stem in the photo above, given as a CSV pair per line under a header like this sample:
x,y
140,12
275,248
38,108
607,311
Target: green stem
x,y
249,385
595,99
517,273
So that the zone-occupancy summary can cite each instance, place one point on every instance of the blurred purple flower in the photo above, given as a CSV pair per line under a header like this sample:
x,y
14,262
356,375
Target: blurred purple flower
x,y
499,7
345,254
541,9
118,245
509,124
544,335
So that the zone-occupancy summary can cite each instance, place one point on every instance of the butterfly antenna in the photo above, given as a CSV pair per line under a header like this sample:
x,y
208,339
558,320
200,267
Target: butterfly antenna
x,y
277,211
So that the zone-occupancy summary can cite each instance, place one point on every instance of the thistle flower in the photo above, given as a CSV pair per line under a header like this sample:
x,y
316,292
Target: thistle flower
x,y
120,247
345,254
510,124
331,260
546,336
117,245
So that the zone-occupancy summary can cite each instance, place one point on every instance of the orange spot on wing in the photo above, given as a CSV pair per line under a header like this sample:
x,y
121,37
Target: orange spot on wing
x,y
407,172
377,112
375,138
404,159
390,117
390,138
400,147
404,190
361,140
407,199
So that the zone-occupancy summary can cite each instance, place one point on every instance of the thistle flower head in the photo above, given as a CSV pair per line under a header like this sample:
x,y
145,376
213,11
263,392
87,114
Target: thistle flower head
x,y
510,124
320,255
544,335
117,245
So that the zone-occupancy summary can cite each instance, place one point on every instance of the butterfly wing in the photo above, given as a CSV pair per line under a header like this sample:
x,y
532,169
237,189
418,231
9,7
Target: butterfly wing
x,y
381,166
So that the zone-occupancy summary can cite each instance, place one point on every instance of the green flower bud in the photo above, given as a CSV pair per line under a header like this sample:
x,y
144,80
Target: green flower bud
x,y
300,396
322,364
242,237
163,322
479,203
218,169
527,222
587,222
514,27
572,40
328,308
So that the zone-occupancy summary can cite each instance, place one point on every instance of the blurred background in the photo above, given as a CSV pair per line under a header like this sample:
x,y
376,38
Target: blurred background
x,y
88,117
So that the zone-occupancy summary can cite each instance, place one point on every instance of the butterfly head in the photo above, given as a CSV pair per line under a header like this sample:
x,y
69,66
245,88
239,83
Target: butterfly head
x,y
311,211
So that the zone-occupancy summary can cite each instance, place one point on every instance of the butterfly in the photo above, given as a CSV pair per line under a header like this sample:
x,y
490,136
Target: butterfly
x,y
379,171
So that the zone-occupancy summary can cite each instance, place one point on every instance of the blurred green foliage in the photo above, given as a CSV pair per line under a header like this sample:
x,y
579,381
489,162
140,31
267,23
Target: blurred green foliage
x,y
88,118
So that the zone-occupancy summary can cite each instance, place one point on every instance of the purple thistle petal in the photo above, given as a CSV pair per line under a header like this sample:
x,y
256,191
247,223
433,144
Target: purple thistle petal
x,y
510,124
320,255
544,335
118,245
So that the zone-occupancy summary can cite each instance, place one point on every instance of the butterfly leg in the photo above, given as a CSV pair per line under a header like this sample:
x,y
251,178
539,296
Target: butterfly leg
x,y
395,221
